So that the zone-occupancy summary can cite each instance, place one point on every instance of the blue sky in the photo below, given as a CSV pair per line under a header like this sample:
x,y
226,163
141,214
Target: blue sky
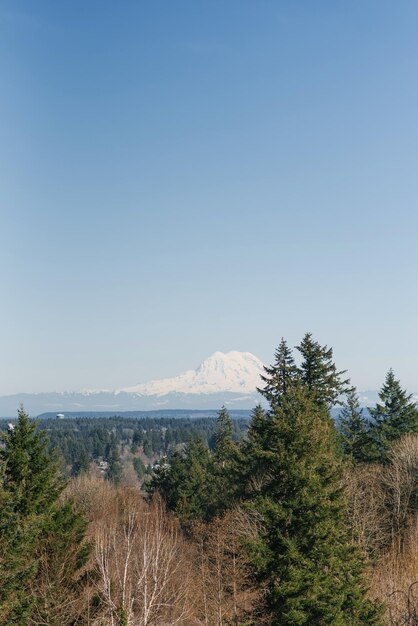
x,y
190,176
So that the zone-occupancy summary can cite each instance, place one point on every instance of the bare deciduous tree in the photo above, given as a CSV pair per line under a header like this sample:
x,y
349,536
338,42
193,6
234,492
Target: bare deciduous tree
x,y
400,484
225,591
367,512
143,565
392,525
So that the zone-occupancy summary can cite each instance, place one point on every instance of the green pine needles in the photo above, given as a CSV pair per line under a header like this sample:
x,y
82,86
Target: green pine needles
x,y
355,430
43,552
304,556
395,415
369,438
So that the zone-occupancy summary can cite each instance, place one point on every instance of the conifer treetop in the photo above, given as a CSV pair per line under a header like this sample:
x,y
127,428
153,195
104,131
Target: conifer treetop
x,y
354,430
280,376
319,372
30,472
395,415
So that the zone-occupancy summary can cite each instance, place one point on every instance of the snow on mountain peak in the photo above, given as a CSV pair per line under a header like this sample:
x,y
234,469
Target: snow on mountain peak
x,y
222,372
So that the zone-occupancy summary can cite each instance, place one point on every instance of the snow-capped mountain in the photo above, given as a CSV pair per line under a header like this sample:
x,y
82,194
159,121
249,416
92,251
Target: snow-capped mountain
x,y
229,379
224,378
235,372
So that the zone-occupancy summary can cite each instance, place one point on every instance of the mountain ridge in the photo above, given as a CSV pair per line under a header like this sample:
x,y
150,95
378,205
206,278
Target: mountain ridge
x,y
237,372
229,378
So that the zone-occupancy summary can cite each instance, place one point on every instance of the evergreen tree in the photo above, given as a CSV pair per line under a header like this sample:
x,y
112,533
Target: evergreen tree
x,y
224,430
37,531
114,473
224,463
253,467
395,415
196,494
280,376
31,474
319,373
168,479
139,467
147,446
187,483
30,484
18,562
303,555
355,430
82,462
136,441
61,578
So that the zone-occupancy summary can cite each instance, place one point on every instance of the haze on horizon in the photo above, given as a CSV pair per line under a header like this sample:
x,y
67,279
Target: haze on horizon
x,y
181,178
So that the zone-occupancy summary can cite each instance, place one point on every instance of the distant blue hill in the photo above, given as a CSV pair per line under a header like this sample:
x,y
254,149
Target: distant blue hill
x,y
177,413
115,403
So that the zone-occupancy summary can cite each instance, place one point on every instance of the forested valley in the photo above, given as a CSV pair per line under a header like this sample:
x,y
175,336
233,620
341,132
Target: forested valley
x,y
121,448
289,518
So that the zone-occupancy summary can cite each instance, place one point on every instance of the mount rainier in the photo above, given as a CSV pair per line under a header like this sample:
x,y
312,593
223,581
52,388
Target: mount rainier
x,y
224,378
235,372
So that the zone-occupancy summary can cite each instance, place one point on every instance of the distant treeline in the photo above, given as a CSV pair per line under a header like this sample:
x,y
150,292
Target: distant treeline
x,y
83,440
168,413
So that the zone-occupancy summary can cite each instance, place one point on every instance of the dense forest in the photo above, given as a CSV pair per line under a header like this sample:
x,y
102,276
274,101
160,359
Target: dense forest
x,y
85,443
286,519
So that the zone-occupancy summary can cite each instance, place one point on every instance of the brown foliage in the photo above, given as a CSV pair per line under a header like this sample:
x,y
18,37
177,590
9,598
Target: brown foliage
x,y
226,596
148,573
92,496
367,512
143,564
63,598
400,485
383,512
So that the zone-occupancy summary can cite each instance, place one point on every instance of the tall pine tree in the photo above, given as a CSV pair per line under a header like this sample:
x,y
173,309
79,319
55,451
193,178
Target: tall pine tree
x,y
187,483
114,472
304,556
196,493
39,534
223,436
319,373
30,484
254,465
280,376
31,474
395,415
18,562
224,463
355,430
